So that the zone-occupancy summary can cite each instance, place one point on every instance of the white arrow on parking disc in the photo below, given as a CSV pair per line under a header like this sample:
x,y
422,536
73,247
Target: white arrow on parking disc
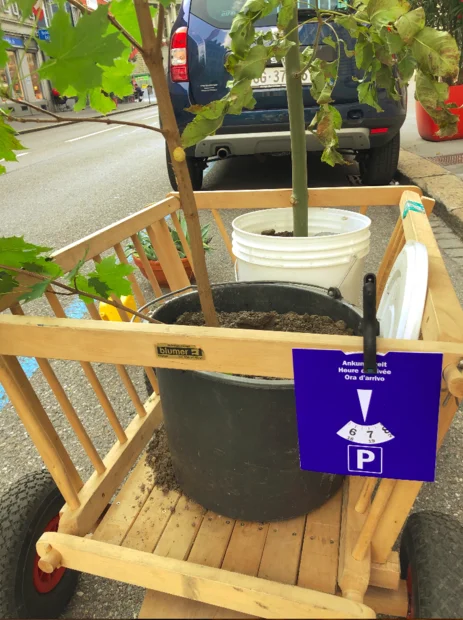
x,y
365,399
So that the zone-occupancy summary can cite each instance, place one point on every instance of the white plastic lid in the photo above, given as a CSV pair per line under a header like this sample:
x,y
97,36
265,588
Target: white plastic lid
x,y
401,309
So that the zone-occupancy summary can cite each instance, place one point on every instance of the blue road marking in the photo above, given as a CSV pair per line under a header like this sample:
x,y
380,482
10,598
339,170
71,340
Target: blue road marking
x,y
76,310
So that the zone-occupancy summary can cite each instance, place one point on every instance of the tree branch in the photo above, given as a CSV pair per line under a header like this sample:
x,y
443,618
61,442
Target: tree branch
x,y
66,119
160,31
77,291
114,22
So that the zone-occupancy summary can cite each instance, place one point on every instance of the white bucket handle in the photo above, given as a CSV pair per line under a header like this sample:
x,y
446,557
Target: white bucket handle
x,y
353,260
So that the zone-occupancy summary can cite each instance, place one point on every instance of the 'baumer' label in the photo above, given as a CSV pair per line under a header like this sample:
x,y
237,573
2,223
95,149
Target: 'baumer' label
x,y
179,351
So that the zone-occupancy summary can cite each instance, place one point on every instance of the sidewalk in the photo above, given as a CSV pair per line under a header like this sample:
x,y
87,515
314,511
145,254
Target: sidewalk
x,y
446,154
27,126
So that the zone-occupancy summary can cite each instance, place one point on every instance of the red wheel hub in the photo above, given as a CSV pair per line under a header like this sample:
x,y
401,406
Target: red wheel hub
x,y
411,606
46,582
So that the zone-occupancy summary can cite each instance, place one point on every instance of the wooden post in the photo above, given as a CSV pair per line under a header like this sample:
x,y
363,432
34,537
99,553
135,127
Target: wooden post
x,y
152,55
365,495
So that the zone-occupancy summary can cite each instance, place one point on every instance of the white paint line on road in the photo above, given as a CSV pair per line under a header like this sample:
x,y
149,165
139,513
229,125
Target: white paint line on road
x,y
19,155
145,118
89,135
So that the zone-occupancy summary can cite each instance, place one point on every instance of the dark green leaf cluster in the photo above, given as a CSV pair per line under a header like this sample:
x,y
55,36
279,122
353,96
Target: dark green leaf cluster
x,y
19,258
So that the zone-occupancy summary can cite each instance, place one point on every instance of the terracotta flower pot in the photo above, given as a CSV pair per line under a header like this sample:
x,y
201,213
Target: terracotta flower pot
x,y
158,271
427,128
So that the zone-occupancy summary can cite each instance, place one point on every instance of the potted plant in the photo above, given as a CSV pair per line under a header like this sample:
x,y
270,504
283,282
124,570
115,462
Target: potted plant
x,y
257,453
391,42
446,15
152,257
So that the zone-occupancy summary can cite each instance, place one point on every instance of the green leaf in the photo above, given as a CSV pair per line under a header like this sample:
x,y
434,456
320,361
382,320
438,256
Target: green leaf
x,y
384,12
25,6
406,67
124,12
8,143
100,102
253,65
241,34
329,41
385,78
7,282
328,121
3,47
433,96
206,122
241,96
83,284
117,79
77,54
15,252
364,53
349,23
410,24
436,53
36,291
113,275
368,94
323,78
394,41
74,272
285,14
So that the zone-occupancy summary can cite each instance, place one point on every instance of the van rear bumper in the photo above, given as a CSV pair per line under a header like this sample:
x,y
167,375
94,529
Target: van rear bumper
x,y
356,139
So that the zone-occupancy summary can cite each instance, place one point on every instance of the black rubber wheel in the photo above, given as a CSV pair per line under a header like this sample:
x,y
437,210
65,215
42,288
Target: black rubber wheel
x,y
196,168
29,508
379,166
431,557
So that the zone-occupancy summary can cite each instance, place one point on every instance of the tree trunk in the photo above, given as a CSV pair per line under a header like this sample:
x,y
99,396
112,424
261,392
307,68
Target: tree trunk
x,y
300,197
152,54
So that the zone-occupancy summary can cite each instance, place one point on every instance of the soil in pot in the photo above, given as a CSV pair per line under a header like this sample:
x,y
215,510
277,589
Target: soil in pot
x,y
272,321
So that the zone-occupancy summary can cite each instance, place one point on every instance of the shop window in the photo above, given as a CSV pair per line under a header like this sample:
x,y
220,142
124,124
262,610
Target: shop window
x,y
14,75
33,67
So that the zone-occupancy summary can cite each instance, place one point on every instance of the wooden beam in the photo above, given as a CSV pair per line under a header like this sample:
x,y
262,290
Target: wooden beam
x,y
387,602
242,593
320,550
353,575
387,575
106,238
99,488
318,197
224,350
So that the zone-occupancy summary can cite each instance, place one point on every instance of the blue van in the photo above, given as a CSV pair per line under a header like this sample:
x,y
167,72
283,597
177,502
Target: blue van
x,y
198,50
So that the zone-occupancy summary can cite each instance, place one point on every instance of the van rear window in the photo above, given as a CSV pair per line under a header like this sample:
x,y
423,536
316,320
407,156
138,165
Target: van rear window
x,y
220,13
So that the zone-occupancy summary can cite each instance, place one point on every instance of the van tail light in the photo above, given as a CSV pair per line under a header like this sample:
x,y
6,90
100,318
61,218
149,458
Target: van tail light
x,y
178,56
378,130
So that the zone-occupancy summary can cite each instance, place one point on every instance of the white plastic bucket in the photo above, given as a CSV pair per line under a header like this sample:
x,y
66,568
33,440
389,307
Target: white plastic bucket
x,y
335,259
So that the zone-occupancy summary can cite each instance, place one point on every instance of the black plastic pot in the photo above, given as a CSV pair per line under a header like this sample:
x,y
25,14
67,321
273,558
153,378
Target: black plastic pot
x,y
234,440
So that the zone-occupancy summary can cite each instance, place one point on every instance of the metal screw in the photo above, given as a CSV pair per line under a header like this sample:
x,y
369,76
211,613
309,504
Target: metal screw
x,y
460,365
312,538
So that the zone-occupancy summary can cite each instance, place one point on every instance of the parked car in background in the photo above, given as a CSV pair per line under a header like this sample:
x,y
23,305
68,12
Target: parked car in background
x,y
198,51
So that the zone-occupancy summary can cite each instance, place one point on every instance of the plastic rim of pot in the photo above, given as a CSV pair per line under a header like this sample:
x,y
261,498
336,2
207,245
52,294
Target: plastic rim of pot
x,y
233,440
333,256
401,310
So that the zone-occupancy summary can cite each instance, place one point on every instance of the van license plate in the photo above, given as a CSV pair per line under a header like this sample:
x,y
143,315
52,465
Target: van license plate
x,y
276,78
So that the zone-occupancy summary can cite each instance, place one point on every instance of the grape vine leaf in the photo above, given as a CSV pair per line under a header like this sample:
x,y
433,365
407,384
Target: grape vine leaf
x,y
8,143
78,53
368,94
433,96
327,121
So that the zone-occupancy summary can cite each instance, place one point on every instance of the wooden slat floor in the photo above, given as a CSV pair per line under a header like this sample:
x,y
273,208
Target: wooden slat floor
x,y
302,551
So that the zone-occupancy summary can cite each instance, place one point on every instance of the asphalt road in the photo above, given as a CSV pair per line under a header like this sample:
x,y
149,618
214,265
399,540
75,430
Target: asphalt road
x,y
75,180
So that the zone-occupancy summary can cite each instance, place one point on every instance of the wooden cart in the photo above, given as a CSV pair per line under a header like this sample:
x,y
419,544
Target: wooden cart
x,y
335,562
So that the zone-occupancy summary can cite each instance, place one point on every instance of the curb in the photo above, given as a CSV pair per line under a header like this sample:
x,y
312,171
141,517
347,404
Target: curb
x,y
438,183
65,123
